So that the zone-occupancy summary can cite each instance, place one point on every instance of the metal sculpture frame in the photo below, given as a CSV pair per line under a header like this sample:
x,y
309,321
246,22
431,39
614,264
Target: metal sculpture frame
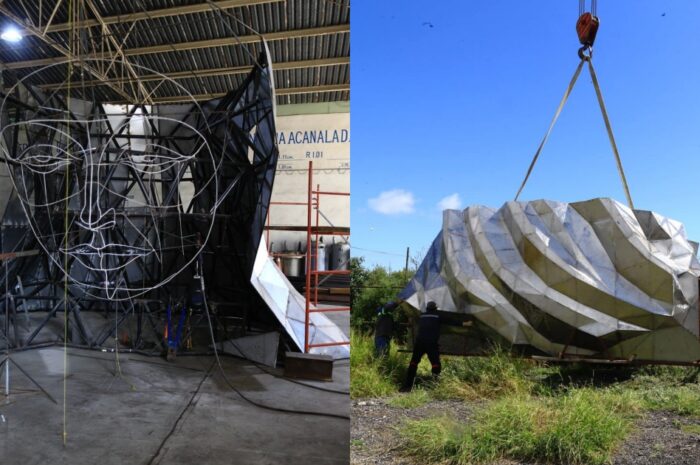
x,y
231,166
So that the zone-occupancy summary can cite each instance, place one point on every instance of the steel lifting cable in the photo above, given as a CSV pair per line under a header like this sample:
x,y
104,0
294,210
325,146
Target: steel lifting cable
x,y
582,7
585,58
551,126
608,127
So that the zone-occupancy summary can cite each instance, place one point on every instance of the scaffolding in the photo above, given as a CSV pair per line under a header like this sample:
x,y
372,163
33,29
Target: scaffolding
x,y
313,275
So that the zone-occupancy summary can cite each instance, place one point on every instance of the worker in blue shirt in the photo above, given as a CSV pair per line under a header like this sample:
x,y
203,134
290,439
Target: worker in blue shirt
x,y
384,329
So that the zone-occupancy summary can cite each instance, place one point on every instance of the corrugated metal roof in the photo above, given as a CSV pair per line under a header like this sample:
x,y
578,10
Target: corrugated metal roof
x,y
183,39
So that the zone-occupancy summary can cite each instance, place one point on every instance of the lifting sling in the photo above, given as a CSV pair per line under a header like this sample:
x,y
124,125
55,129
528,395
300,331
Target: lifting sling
x,y
586,28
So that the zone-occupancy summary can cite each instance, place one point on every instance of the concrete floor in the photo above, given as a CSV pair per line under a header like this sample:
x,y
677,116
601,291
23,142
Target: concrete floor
x,y
145,417
342,319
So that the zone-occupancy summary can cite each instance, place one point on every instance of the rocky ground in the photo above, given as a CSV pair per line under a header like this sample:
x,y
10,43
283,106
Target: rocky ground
x,y
662,438
659,438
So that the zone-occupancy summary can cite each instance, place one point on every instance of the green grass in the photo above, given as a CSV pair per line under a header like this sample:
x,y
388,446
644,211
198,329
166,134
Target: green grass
x,y
682,400
668,374
462,377
433,440
691,429
671,389
371,376
581,427
568,424
413,399
575,414
357,443
484,377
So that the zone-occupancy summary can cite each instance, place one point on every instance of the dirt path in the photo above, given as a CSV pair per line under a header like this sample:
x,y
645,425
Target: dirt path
x,y
660,438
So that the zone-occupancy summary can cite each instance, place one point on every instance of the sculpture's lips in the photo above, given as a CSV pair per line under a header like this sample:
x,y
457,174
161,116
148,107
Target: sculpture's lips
x,y
115,250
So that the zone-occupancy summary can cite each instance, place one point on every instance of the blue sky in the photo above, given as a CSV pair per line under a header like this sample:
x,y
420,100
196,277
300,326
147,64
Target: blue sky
x,y
450,102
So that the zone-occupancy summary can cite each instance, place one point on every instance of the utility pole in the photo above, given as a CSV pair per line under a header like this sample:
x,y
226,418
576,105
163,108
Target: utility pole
x,y
405,269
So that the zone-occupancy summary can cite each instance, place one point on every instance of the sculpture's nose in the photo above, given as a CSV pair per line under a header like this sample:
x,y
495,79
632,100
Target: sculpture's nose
x,y
96,220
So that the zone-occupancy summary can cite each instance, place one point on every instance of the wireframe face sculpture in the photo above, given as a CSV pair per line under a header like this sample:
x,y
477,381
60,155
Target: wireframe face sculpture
x,y
111,196
108,192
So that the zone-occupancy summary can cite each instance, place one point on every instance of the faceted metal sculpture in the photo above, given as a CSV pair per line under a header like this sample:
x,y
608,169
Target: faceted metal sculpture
x,y
589,279
288,306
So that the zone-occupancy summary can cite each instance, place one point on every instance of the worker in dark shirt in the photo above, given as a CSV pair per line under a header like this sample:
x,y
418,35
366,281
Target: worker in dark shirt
x,y
426,343
383,329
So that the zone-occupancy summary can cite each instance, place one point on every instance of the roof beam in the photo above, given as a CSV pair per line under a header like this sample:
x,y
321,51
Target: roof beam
x,y
205,73
119,51
222,42
67,54
161,13
278,92
312,89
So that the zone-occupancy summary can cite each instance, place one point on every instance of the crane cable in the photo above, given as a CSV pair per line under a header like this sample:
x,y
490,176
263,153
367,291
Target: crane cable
x,y
582,7
66,226
585,53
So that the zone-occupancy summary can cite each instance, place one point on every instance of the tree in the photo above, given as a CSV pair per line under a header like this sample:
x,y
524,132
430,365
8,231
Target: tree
x,y
371,289
358,278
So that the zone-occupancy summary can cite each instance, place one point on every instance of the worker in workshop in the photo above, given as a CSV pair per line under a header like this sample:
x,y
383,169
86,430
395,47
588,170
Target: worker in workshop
x,y
384,328
173,333
426,343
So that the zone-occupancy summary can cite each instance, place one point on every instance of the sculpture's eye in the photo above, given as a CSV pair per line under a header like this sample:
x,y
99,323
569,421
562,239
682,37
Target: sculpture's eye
x,y
157,158
154,155
43,146
44,158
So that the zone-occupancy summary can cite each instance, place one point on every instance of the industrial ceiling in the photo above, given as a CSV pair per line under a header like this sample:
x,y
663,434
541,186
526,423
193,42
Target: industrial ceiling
x,y
121,51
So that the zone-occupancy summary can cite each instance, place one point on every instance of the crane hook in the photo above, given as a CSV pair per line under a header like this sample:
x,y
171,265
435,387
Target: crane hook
x,y
582,53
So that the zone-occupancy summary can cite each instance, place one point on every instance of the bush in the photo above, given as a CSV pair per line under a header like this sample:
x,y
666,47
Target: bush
x,y
370,289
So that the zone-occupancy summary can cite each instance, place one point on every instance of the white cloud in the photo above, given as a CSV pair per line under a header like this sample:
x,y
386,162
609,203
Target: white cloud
x,y
451,202
393,202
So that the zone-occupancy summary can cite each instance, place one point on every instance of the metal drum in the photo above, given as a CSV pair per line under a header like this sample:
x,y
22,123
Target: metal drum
x,y
322,256
292,264
340,256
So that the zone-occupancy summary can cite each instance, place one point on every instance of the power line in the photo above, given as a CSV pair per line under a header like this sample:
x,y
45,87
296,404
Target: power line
x,y
378,251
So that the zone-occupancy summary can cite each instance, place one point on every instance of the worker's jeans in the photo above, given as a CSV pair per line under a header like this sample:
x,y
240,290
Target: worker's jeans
x,y
419,349
381,346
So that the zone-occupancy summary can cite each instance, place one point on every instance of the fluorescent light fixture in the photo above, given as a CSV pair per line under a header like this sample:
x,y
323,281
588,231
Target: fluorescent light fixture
x,y
11,34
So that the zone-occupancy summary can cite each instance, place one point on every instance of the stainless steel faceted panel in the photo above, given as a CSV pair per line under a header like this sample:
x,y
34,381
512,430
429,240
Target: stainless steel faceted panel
x,y
590,278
